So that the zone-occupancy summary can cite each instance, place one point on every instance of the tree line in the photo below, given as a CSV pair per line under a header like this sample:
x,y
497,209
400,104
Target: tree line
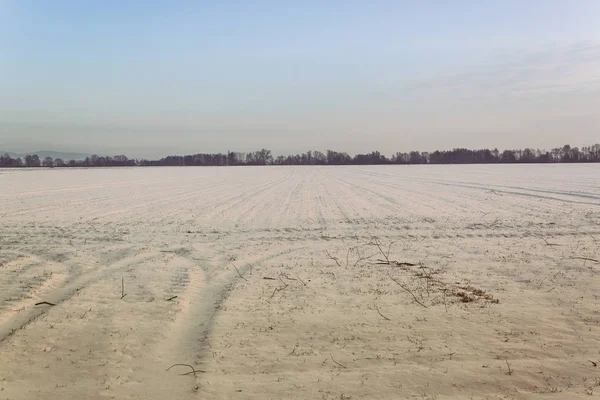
x,y
565,154
34,160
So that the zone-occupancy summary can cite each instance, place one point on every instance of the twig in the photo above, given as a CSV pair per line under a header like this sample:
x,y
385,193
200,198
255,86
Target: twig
x,y
277,290
193,371
44,302
171,298
585,258
559,272
542,282
238,272
327,273
408,290
445,305
123,294
332,359
384,317
285,285
387,257
376,242
333,258
251,267
550,244
490,225
508,365
348,255
86,311
268,278
406,264
304,283
450,355
362,258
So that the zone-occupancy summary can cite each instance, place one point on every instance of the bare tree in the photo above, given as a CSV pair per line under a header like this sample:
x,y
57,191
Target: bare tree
x,y
48,162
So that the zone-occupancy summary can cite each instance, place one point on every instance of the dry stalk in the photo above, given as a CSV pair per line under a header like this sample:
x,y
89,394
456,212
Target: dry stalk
x,y
510,371
193,370
123,294
445,305
332,359
384,317
407,290
348,255
287,277
333,258
406,264
44,302
361,257
238,272
548,243
585,259
278,289
300,279
375,241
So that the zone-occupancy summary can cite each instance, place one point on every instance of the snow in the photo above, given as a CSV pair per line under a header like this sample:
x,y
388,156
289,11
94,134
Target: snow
x,y
330,322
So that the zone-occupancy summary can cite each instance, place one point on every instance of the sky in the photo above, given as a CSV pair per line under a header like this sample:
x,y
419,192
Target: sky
x,y
152,78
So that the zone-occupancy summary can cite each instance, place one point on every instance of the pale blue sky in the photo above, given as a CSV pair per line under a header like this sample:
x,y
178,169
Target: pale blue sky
x,y
151,78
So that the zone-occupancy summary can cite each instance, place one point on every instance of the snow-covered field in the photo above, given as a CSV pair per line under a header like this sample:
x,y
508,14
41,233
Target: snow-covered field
x,y
273,282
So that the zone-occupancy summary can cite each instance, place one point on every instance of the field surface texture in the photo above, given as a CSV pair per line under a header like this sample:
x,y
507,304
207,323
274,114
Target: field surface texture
x,y
391,282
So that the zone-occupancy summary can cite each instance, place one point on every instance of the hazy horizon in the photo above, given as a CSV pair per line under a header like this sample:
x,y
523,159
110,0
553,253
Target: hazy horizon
x,y
149,80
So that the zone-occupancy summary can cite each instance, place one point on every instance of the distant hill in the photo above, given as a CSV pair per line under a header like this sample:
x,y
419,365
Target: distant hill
x,y
54,154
